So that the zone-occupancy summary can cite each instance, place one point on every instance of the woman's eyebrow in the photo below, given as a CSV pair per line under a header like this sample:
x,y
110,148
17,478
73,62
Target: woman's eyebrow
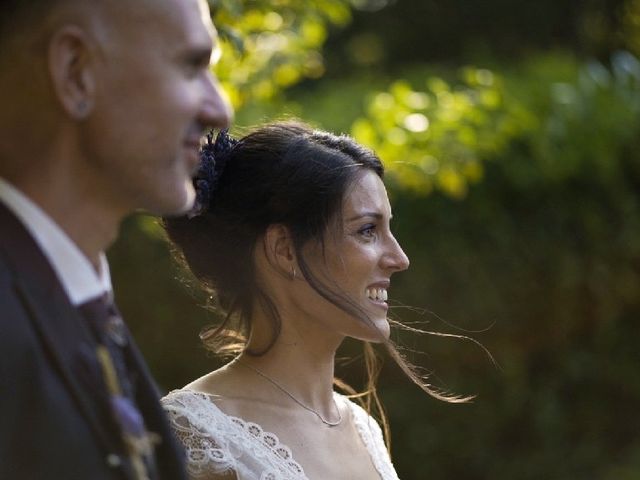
x,y
376,215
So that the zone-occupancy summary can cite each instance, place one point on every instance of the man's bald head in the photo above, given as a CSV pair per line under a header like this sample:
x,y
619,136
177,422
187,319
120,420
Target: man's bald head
x,y
28,24
16,15
22,19
114,94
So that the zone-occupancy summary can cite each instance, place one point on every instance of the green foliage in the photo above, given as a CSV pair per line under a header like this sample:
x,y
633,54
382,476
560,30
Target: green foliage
x,y
602,101
268,46
438,137
631,26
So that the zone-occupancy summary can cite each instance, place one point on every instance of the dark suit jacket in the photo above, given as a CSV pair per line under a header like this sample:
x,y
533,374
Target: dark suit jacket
x,y
54,423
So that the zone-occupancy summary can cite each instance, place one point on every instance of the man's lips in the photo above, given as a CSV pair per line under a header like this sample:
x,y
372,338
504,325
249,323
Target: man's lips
x,y
192,145
192,141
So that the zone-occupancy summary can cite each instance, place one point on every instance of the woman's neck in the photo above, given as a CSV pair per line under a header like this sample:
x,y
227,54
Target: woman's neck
x,y
301,362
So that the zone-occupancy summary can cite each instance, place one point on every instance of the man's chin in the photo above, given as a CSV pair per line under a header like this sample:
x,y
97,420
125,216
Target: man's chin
x,y
176,207
190,199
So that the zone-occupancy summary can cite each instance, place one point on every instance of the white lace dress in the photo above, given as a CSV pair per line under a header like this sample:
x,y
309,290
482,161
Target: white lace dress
x,y
219,443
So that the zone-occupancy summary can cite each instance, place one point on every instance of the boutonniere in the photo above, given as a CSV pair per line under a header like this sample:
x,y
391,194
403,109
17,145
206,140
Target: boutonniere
x,y
139,442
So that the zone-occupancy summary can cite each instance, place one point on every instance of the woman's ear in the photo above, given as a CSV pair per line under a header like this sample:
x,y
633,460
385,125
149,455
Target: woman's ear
x,y
279,250
72,70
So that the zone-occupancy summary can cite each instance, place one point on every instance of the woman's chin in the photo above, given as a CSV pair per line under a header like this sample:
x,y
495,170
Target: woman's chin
x,y
377,333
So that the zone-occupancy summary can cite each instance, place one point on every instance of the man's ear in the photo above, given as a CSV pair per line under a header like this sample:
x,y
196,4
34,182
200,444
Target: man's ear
x,y
72,68
279,250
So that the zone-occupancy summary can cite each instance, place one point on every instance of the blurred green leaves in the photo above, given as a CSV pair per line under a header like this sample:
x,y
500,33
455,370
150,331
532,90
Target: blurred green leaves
x,y
268,46
437,136
590,119
434,132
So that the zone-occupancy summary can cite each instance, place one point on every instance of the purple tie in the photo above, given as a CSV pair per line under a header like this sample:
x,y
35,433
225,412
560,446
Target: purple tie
x,y
108,327
112,336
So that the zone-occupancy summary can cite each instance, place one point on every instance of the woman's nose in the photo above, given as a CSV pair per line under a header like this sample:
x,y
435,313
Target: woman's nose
x,y
395,258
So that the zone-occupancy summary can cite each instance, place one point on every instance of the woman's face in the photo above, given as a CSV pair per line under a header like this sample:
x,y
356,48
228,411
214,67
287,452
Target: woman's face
x,y
361,255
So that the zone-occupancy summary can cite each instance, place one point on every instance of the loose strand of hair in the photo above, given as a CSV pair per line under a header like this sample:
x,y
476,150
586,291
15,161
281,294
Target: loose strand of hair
x,y
373,365
412,372
419,331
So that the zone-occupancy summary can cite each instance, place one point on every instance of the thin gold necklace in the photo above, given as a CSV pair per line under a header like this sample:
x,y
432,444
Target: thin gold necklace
x,y
292,397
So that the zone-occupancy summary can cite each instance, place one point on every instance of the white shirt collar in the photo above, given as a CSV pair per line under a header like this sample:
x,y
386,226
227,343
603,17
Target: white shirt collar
x,y
79,279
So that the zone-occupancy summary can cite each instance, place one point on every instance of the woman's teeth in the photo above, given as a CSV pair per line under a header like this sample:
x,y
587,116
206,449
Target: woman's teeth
x,y
379,294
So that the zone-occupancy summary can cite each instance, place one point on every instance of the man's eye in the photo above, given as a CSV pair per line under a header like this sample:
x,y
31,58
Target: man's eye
x,y
194,68
196,63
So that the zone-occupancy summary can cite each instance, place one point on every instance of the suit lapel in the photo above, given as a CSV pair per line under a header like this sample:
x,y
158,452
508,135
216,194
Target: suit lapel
x,y
60,326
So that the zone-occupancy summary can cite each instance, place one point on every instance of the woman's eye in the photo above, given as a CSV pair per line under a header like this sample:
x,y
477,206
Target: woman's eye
x,y
368,231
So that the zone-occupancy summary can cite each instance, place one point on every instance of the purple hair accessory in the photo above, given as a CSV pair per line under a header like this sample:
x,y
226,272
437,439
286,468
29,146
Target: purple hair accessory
x,y
213,158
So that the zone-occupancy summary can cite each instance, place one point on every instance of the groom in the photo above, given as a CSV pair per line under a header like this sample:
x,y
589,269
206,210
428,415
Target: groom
x,y
102,105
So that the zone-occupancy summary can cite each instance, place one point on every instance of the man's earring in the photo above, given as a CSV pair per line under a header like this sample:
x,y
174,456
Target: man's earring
x,y
81,108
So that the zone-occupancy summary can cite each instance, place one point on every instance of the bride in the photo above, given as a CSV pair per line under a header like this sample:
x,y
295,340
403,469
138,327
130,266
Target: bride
x,y
291,235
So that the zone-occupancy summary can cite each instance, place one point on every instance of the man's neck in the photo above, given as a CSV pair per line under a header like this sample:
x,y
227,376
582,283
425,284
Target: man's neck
x,y
85,220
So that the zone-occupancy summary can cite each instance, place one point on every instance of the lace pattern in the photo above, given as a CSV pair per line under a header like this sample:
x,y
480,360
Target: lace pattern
x,y
371,435
217,443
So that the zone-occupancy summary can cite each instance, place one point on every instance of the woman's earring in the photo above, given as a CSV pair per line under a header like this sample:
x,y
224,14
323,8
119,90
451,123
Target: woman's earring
x,y
293,272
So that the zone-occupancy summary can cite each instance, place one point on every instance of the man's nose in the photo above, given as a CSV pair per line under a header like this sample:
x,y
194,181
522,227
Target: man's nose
x,y
216,111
